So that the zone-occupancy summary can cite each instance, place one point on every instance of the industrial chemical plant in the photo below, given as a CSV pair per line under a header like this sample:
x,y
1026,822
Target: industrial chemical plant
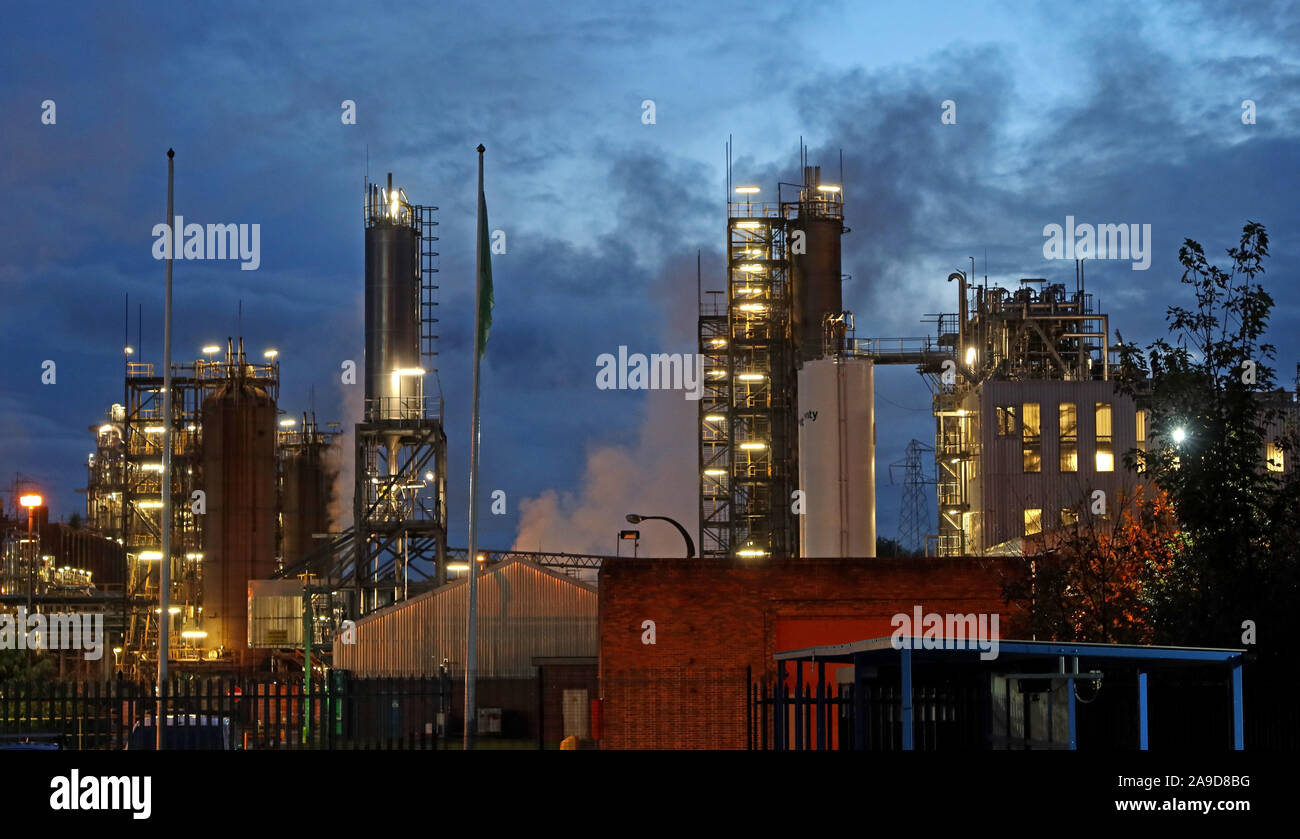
x,y
253,492
263,572
1028,423
841,377
250,489
257,541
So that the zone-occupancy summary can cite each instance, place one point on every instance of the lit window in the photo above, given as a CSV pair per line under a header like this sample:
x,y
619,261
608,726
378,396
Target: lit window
x,y
1069,425
1033,521
1031,437
1069,516
1141,421
1105,445
1276,461
1006,417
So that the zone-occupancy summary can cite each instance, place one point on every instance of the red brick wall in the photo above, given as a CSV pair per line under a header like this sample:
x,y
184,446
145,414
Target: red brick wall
x,y
714,618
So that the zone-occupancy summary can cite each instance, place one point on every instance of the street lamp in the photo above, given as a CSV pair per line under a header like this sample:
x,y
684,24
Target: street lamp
x,y
633,518
31,501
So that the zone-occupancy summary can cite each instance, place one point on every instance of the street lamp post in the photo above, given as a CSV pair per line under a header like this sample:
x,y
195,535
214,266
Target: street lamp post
x,y
165,563
633,518
31,502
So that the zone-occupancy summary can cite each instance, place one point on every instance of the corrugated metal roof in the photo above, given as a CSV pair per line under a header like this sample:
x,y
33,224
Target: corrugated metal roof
x,y
524,611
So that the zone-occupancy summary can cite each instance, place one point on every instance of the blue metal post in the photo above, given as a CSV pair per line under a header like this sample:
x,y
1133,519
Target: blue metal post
x,y
906,698
1238,721
1142,711
1069,714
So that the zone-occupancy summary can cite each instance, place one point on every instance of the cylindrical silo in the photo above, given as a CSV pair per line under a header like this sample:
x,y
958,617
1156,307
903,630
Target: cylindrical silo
x,y
815,274
392,307
837,458
817,282
239,479
308,494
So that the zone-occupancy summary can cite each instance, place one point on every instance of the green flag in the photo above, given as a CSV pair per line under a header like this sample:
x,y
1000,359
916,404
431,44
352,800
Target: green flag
x,y
485,300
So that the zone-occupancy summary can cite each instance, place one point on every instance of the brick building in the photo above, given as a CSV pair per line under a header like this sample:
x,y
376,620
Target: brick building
x,y
716,623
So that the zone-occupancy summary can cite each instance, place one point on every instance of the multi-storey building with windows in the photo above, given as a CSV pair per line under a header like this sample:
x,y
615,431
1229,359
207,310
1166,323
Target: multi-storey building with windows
x,y
1030,425
1029,455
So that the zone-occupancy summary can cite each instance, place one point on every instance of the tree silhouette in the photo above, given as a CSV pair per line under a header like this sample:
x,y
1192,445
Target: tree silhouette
x,y
1211,411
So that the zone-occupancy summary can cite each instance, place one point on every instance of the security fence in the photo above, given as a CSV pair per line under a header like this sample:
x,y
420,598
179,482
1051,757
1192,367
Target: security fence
x,y
339,713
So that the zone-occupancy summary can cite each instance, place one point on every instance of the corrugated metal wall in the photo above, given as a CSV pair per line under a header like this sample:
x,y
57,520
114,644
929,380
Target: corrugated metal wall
x,y
275,613
1004,489
524,611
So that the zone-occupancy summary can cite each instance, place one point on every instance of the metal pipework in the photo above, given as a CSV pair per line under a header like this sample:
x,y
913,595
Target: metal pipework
x,y
960,277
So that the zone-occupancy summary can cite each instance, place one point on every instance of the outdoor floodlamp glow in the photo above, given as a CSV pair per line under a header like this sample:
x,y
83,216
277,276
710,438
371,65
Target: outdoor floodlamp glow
x,y
1180,434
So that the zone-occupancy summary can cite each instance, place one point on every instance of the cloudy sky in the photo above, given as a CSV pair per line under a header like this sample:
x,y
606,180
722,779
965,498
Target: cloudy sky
x,y
1112,113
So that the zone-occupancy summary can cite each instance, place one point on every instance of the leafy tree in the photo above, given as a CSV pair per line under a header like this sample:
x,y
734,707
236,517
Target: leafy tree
x,y
1211,410
17,666
1091,583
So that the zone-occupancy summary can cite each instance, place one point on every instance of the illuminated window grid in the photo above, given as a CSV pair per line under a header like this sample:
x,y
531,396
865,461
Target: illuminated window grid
x,y
1105,441
1275,457
1031,436
1140,420
1033,521
1068,424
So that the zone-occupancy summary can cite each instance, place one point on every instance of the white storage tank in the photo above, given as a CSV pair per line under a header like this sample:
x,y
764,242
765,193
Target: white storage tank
x,y
837,458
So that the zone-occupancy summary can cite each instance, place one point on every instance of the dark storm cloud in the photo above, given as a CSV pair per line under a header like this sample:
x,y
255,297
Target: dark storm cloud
x,y
561,305
915,188
603,214
1134,141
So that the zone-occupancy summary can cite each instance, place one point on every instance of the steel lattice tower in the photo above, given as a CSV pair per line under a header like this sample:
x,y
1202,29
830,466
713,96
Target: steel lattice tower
x,y
400,492
914,512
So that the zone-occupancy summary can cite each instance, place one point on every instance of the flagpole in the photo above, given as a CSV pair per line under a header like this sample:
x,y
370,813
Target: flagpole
x,y
471,653
165,562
